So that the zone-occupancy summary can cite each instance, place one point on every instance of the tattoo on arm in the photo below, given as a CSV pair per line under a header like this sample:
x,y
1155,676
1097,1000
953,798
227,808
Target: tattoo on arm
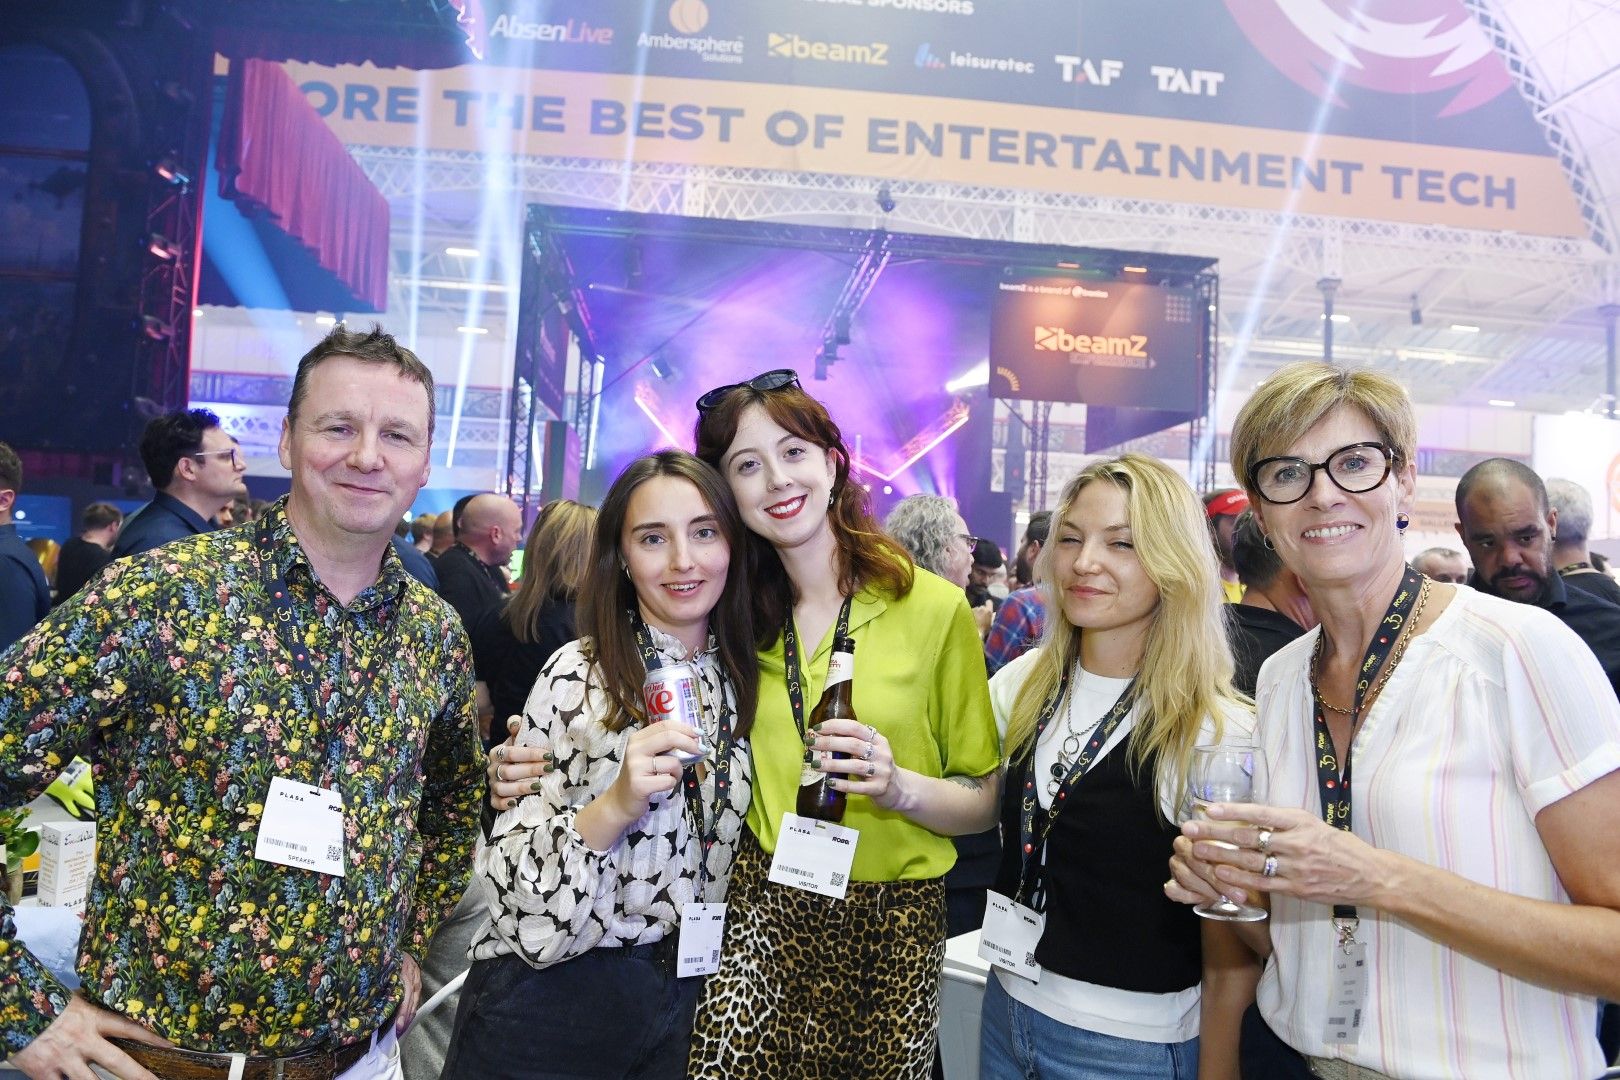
x,y
972,783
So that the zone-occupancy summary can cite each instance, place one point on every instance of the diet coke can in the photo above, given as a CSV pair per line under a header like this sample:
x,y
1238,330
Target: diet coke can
x,y
674,694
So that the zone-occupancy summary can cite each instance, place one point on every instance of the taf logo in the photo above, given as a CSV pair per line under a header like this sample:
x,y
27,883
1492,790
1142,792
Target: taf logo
x,y
926,58
1078,69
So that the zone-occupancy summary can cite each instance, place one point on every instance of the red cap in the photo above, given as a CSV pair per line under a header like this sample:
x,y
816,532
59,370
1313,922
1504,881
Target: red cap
x,y
1227,503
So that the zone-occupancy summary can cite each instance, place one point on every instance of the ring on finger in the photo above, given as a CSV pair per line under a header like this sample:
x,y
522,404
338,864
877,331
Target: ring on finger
x,y
871,733
500,776
1270,869
871,768
866,755
1263,840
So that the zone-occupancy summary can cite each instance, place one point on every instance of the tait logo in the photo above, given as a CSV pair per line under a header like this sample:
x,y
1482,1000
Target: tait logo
x,y
796,47
1057,339
1080,69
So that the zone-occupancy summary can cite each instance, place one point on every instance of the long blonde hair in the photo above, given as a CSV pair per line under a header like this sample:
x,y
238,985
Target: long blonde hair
x,y
555,558
1186,670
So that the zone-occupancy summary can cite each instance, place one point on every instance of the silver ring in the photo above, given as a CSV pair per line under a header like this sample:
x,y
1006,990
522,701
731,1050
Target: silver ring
x,y
500,777
866,755
1270,869
1263,840
871,733
871,769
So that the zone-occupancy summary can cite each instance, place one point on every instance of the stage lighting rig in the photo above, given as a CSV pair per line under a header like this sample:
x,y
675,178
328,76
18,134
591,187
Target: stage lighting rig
x,y
1417,311
169,171
885,199
827,358
161,247
660,368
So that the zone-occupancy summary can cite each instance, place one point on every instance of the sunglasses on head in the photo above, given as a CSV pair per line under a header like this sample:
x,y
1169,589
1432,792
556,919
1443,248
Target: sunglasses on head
x,y
780,379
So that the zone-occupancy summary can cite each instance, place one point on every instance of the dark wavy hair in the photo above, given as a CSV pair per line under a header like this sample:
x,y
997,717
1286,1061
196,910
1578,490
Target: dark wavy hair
x,y
607,596
170,437
867,556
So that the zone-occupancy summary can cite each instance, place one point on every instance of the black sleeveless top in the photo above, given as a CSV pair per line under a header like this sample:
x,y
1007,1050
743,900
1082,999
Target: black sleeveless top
x,y
1108,921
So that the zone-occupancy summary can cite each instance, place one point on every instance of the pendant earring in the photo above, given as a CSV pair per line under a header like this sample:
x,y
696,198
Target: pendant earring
x,y
1401,522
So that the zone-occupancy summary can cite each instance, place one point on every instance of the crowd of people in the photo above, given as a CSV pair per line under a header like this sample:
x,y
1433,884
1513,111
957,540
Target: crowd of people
x,y
339,760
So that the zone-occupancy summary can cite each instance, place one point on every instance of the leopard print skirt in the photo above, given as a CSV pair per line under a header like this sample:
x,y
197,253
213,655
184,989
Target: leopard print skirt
x,y
811,987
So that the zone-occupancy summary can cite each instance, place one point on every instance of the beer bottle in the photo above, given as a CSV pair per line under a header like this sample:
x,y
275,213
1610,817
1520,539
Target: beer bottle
x,y
817,797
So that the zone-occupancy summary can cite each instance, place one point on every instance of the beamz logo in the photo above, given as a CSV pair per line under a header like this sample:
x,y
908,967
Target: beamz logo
x,y
1058,339
797,47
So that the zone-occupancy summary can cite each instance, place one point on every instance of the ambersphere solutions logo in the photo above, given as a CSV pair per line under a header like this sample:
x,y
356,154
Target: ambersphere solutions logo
x,y
688,16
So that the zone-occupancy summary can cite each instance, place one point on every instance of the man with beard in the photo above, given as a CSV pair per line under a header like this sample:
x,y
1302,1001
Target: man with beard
x,y
1509,529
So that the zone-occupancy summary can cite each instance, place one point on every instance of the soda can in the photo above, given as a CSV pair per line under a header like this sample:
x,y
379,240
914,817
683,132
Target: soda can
x,y
673,694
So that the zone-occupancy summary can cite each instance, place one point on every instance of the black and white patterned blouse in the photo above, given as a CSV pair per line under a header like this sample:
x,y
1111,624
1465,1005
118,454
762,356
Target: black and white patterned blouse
x,y
555,897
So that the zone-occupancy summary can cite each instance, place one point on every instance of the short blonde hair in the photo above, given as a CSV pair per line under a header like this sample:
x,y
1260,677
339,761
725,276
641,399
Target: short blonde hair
x,y
1287,405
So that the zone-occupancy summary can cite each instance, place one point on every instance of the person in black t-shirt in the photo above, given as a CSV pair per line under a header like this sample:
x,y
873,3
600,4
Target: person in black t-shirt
x,y
84,555
1274,609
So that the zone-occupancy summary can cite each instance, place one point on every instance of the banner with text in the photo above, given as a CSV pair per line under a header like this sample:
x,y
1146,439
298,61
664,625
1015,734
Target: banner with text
x,y
1102,343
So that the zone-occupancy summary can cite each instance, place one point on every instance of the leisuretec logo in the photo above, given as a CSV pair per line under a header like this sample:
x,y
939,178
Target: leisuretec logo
x,y
1083,69
929,60
570,32
688,19
798,47
1058,339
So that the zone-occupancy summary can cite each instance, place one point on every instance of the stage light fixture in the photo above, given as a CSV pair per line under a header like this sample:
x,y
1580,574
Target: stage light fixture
x,y
155,328
885,199
1417,311
1465,328
828,357
660,368
462,252
162,247
169,171
841,328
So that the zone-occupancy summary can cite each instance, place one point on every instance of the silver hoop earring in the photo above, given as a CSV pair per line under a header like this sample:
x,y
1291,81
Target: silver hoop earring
x,y
1266,540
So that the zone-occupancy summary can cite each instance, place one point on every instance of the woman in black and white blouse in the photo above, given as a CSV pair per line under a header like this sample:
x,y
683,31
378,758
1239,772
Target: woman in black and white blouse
x,y
592,874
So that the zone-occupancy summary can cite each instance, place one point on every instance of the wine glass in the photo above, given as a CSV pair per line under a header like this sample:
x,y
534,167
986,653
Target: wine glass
x,y
1231,772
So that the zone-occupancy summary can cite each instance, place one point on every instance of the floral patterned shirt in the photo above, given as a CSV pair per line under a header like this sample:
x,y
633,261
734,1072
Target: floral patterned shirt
x,y
552,896
168,673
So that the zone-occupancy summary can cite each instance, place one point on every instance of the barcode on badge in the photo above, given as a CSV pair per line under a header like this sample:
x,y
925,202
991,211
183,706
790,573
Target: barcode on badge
x,y
276,841
796,870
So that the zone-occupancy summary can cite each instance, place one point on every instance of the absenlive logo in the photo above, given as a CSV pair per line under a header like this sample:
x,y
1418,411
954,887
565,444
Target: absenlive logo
x,y
798,47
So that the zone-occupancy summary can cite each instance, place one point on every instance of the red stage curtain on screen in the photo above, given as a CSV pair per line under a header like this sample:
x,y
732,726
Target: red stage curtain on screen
x,y
278,159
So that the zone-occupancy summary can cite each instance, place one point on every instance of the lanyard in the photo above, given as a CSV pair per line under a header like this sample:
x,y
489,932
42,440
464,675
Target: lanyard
x,y
790,660
1334,788
691,786
287,628
1034,846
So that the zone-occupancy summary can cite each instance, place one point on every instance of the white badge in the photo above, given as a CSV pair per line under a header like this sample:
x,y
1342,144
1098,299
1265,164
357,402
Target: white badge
x,y
698,950
1009,936
1349,1004
814,855
302,827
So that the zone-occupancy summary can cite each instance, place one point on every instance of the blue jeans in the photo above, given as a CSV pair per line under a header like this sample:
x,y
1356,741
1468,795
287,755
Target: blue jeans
x,y
1019,1043
609,1014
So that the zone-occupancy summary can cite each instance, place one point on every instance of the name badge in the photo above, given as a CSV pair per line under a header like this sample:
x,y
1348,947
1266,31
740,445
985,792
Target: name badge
x,y
302,827
814,856
698,949
1009,936
1349,1004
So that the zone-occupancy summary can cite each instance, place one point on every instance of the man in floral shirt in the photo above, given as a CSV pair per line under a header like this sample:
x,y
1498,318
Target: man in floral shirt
x,y
288,773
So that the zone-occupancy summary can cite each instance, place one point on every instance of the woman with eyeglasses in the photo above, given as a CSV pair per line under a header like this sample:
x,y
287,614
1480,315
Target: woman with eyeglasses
x,y
810,985
1441,847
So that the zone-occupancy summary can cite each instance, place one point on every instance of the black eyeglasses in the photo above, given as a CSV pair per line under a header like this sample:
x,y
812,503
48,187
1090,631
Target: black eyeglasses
x,y
780,379
1356,468
973,542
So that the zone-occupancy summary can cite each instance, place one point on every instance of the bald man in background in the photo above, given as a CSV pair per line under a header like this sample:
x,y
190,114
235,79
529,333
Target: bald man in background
x,y
472,573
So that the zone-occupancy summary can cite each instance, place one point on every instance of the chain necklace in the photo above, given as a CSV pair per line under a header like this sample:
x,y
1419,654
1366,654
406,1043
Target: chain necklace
x,y
1389,667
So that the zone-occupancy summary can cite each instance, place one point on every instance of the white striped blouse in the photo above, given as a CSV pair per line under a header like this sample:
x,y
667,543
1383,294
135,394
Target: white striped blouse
x,y
1496,712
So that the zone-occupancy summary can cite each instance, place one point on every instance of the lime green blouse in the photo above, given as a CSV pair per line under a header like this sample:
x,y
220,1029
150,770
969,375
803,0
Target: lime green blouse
x,y
920,680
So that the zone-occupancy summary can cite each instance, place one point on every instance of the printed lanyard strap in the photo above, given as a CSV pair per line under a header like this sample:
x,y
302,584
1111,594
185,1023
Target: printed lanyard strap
x,y
1033,843
287,628
691,786
1335,789
790,660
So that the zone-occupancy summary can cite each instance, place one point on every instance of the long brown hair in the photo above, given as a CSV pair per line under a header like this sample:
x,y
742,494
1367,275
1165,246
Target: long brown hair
x,y
607,595
555,558
867,556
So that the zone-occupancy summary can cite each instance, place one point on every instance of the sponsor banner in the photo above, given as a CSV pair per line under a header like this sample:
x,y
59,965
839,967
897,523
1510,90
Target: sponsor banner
x,y
1096,343
884,135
